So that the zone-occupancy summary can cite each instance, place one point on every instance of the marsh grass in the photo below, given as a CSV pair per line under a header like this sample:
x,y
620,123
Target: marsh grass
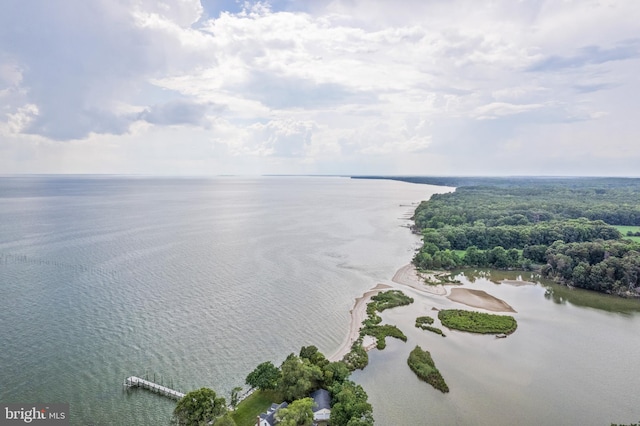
x,y
477,322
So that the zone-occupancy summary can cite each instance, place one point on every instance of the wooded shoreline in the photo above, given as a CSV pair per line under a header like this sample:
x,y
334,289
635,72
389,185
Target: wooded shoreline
x,y
565,228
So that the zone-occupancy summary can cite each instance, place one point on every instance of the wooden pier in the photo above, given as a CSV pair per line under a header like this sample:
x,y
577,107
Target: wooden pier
x,y
137,382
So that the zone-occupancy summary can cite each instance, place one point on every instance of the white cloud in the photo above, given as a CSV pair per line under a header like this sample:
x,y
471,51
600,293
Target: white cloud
x,y
339,85
501,109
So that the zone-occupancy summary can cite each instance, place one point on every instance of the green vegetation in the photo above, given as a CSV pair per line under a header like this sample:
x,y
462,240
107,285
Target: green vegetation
x,y
425,324
536,223
380,302
298,413
477,322
381,332
258,402
297,377
350,406
265,376
434,330
197,407
357,358
629,232
612,267
389,299
422,364
421,321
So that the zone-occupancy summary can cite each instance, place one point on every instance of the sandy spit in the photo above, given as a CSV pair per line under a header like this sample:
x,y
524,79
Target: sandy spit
x,y
409,276
479,299
358,314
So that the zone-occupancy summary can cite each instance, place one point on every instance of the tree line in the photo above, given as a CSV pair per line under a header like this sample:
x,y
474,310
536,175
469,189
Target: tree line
x,y
564,229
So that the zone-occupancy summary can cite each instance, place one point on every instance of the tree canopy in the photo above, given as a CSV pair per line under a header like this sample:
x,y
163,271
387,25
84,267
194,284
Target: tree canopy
x,y
563,227
199,407
264,376
298,413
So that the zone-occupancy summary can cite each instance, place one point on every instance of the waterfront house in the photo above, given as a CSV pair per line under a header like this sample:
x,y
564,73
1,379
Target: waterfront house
x,y
322,407
269,418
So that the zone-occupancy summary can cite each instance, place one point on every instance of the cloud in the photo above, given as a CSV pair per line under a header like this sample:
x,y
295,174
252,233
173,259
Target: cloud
x,y
324,85
283,92
179,112
501,109
79,60
589,55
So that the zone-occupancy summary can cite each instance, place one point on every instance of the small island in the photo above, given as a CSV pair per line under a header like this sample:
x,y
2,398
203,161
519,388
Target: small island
x,y
477,322
422,364
425,324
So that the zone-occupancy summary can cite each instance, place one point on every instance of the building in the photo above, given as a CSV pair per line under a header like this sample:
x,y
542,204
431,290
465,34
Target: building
x,y
322,408
269,418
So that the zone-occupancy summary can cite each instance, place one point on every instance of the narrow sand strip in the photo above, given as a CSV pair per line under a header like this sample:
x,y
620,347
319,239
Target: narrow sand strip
x,y
409,276
479,299
358,314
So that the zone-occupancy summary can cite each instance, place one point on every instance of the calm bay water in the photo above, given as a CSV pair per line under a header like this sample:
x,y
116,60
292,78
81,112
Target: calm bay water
x,y
194,280
199,280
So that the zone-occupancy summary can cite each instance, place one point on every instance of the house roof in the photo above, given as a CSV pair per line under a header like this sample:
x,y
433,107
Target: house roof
x,y
269,416
322,399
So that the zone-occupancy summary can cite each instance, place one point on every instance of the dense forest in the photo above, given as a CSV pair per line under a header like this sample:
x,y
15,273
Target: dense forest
x,y
563,227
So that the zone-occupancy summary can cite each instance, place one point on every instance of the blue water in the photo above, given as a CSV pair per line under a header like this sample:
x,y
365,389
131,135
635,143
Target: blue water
x,y
191,281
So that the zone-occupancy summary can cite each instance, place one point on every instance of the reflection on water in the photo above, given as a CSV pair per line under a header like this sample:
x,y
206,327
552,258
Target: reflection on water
x,y
557,293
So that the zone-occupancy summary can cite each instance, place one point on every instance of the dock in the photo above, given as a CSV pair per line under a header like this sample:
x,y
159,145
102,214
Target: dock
x,y
137,382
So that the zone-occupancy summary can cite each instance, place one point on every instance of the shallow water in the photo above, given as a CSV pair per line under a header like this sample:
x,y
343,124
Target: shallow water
x,y
191,281
565,364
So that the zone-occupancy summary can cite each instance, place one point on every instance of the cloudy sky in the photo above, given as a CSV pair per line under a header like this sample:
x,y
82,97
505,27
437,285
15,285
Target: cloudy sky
x,y
430,87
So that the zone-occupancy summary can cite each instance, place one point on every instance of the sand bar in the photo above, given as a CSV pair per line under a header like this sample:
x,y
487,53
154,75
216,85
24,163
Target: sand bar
x,y
409,276
479,299
358,314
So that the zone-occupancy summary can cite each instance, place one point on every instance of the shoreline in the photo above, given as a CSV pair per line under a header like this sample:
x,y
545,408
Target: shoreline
x,y
410,277
358,314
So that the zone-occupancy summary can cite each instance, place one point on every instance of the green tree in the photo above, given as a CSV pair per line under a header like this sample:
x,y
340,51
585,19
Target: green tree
x,y
264,376
298,413
337,371
299,377
350,406
313,355
199,407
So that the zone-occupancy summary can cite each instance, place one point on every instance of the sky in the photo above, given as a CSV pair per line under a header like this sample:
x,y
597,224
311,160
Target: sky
x,y
412,87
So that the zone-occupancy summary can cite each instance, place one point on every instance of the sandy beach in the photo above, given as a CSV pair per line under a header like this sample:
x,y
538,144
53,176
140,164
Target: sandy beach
x,y
479,299
409,276
358,314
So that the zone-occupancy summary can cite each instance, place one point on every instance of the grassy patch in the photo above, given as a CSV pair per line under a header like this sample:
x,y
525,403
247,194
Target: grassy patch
x,y
434,330
380,332
624,229
425,324
421,321
258,402
422,364
477,322
387,300
371,325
